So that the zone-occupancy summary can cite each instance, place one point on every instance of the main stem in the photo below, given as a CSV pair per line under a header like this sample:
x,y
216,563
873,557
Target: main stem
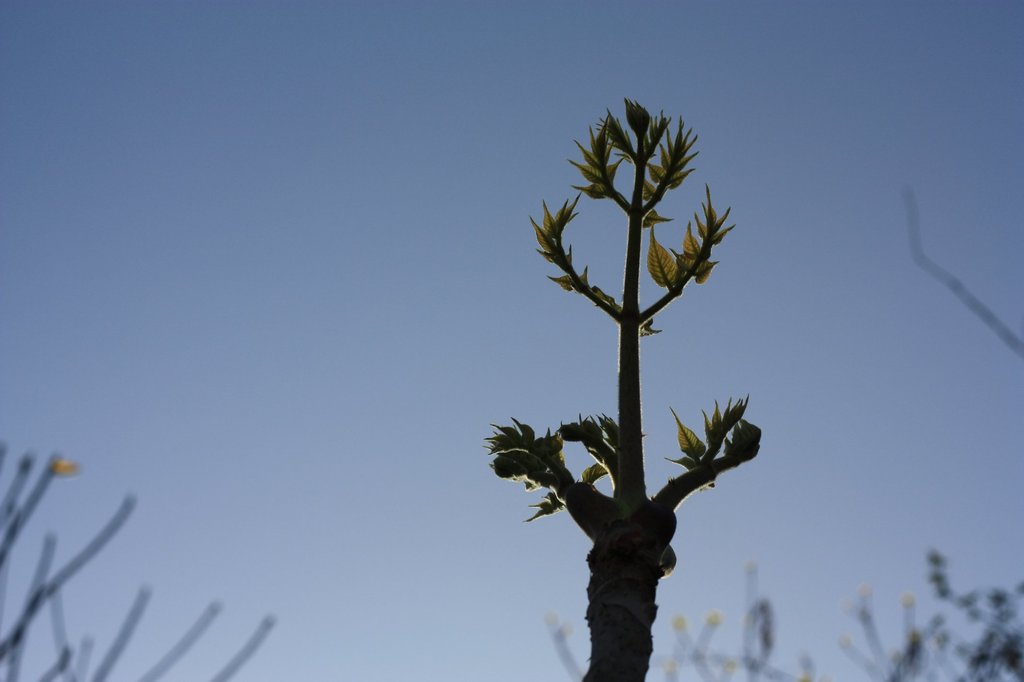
x,y
630,489
624,562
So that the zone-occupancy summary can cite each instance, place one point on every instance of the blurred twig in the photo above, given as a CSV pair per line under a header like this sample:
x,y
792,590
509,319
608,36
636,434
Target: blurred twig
x,y
182,646
247,650
46,588
951,282
123,635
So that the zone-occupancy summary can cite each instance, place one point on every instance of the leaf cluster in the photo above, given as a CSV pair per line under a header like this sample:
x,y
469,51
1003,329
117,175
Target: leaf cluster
x,y
549,237
705,459
539,462
674,270
520,455
600,437
998,652
645,137
716,428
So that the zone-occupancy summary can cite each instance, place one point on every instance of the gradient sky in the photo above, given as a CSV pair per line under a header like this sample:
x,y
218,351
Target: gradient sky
x,y
268,266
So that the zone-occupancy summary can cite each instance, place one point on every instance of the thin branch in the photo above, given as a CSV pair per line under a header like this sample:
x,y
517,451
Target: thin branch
x,y
22,514
247,650
14,489
183,645
560,636
60,630
131,620
867,621
588,291
84,654
35,597
62,576
95,545
1014,342
58,667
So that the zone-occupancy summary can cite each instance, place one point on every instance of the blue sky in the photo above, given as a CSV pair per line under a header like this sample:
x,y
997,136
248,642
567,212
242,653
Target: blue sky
x,y
269,267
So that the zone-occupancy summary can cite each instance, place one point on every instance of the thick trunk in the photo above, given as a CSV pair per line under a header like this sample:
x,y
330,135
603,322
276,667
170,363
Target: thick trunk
x,y
624,574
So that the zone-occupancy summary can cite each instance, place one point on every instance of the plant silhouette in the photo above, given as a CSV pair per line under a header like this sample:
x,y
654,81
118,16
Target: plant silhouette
x,y
630,529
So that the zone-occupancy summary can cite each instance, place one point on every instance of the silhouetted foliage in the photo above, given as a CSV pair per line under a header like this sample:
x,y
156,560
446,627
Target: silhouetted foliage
x,y
929,652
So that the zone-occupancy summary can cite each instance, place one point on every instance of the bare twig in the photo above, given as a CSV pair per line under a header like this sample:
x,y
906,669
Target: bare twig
x,y
60,631
123,635
58,667
183,645
560,636
951,282
43,591
247,650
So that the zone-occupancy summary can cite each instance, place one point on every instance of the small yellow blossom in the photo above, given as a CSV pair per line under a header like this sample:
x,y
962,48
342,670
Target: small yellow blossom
x,y
63,467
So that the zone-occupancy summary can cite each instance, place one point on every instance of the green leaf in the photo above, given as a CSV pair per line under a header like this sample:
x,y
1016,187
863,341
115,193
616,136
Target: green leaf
x,y
661,265
599,436
704,271
593,473
638,118
565,281
546,507
746,441
720,235
589,173
691,247
549,246
647,328
589,157
618,137
656,130
687,462
594,191
655,171
652,218
688,440
612,169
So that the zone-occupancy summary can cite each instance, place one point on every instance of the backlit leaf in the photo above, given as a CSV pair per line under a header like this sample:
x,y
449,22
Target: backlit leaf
x,y
688,440
549,505
564,281
704,271
647,328
691,247
593,473
661,264
688,462
652,218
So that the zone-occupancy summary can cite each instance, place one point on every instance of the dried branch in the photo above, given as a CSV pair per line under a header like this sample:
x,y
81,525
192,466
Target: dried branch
x,y
247,650
131,620
1014,342
183,645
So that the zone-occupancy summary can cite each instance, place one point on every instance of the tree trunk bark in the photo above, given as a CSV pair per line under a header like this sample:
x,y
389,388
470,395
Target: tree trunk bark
x,y
624,574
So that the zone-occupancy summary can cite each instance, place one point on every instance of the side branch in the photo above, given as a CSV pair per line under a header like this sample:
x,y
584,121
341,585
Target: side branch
x,y
578,284
673,293
681,487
